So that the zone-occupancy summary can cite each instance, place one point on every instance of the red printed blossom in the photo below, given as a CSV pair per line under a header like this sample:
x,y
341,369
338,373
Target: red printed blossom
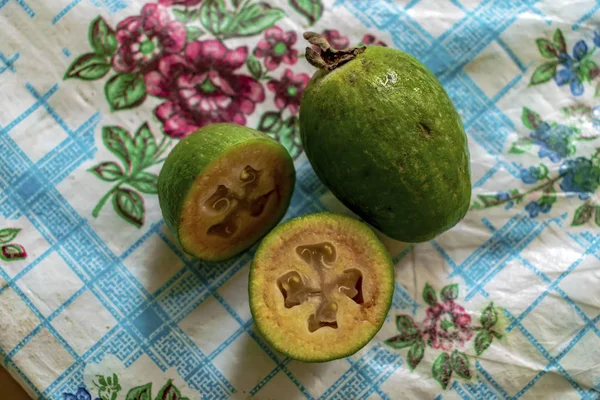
x,y
186,3
288,90
447,325
335,39
277,47
144,38
370,40
201,88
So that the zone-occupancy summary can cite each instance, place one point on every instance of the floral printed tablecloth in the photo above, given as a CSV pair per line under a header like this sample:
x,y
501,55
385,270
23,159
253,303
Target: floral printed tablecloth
x,y
96,299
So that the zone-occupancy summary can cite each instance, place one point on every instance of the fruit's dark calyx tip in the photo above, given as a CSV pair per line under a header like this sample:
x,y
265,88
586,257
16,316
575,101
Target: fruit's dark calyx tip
x,y
323,56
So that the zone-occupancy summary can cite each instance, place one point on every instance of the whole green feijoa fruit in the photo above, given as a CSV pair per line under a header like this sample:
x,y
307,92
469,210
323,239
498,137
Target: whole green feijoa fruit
x,y
382,134
224,187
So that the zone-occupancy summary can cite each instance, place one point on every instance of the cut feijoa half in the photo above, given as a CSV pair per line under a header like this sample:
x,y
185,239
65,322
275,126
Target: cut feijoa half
x,y
224,187
320,287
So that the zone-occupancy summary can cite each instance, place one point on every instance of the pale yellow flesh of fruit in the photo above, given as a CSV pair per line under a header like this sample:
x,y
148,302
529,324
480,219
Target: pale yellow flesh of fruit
x,y
325,289
235,200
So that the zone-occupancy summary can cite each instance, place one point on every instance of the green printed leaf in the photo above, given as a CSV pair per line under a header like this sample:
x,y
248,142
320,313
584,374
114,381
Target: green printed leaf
x,y
270,122
559,41
483,340
543,172
180,15
108,387
597,220
488,200
289,136
169,391
253,19
530,118
429,295
254,67
449,292
130,206
583,214
312,10
145,182
143,392
415,354
588,69
108,171
144,148
546,48
8,234
544,73
461,364
215,17
409,333
399,341
442,370
405,324
88,67
125,91
186,16
549,196
118,141
193,33
102,38
516,149
12,252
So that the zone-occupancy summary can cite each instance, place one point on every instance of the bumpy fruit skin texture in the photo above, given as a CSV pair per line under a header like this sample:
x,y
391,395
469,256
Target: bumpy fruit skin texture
x,y
195,154
381,132
307,348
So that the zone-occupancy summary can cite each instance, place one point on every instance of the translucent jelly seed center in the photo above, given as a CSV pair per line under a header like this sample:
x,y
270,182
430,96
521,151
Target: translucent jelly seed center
x,y
298,289
227,202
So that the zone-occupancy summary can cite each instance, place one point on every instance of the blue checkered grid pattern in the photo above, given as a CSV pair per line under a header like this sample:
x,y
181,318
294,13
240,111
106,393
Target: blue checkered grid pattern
x,y
150,323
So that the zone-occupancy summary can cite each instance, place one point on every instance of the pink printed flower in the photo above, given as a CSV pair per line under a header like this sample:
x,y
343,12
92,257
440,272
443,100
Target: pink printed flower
x,y
277,46
144,38
186,3
447,325
335,39
201,88
370,40
288,91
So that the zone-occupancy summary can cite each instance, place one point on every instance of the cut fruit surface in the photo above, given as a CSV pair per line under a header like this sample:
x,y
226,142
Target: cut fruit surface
x,y
222,188
320,287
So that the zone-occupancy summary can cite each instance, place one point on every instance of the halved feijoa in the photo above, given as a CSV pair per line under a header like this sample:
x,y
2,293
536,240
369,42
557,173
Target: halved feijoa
x,y
320,287
222,188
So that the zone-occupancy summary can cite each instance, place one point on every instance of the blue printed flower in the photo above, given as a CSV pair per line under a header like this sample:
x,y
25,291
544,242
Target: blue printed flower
x,y
82,394
502,197
569,73
530,175
597,38
534,208
580,176
555,141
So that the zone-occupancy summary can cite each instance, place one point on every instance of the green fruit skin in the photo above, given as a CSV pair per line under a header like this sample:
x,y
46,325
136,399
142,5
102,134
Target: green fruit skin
x,y
382,134
192,155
